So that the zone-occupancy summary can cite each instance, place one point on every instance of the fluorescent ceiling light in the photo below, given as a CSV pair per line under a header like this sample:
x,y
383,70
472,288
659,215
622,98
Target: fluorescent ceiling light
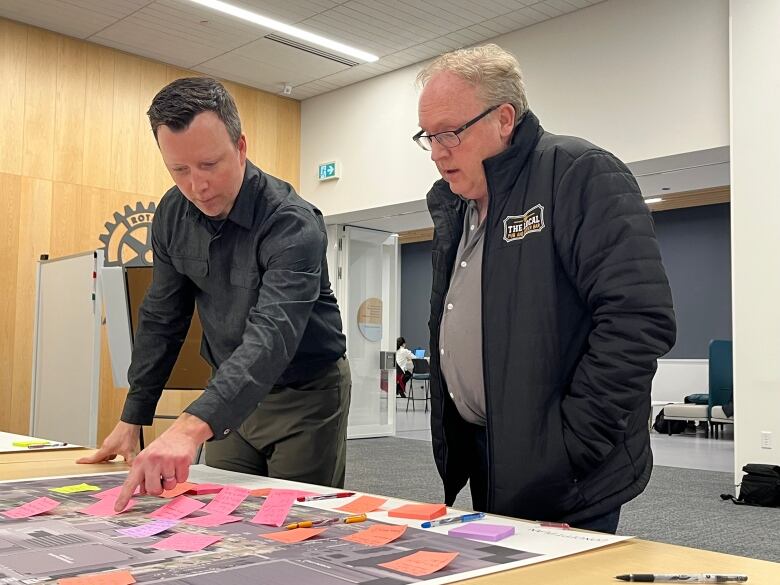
x,y
654,200
287,29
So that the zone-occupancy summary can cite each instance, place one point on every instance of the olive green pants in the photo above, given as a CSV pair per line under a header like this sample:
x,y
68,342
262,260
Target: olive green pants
x,y
298,432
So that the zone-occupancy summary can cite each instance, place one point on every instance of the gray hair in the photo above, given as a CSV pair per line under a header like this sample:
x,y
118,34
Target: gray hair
x,y
180,101
494,73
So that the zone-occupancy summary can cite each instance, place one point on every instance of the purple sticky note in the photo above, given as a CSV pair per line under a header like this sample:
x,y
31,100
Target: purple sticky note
x,y
148,529
477,531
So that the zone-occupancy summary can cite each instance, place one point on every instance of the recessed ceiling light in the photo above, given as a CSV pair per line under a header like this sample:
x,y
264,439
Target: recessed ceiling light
x,y
653,200
287,29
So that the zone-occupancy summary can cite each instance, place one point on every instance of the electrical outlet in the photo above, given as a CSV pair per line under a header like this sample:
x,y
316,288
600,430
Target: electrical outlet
x,y
766,439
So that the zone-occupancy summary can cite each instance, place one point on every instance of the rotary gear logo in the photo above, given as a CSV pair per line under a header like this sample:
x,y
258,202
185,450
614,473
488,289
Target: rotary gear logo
x,y
129,239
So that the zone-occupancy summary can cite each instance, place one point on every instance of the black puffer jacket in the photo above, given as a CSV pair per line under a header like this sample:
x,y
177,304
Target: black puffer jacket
x,y
576,309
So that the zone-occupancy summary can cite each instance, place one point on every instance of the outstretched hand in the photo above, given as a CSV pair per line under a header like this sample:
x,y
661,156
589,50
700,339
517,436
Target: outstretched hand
x,y
123,440
166,461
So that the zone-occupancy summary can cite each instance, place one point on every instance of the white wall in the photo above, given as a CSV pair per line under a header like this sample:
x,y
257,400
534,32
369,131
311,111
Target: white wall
x,y
675,379
643,79
755,237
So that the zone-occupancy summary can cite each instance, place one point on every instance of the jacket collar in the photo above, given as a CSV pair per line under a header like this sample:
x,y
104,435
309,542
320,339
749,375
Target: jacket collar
x,y
503,169
244,207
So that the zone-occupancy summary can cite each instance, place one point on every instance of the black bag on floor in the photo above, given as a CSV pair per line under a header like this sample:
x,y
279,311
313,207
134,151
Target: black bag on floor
x,y
674,427
760,486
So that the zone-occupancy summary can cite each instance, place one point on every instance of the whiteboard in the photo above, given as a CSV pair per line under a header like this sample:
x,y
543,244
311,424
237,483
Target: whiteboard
x,y
66,351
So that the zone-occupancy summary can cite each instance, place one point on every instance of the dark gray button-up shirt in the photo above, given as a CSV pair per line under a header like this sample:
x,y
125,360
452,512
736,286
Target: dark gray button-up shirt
x,y
260,281
460,337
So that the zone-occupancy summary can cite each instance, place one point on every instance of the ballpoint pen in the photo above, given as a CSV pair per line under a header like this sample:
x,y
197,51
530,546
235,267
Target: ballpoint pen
x,y
325,496
326,522
454,520
682,578
42,445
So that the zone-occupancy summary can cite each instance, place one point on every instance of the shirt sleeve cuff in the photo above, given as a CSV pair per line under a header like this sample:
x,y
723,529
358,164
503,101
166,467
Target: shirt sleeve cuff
x,y
137,413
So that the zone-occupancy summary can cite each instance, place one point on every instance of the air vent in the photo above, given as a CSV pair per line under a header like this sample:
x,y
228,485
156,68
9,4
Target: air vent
x,y
312,50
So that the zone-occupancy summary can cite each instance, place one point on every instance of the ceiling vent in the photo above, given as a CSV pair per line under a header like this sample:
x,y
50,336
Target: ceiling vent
x,y
312,50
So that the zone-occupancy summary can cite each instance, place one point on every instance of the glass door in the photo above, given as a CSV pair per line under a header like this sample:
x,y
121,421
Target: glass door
x,y
369,296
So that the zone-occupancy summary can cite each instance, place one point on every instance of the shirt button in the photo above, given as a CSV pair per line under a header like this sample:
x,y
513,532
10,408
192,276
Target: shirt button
x,y
442,351
472,228
463,264
452,396
449,307
226,432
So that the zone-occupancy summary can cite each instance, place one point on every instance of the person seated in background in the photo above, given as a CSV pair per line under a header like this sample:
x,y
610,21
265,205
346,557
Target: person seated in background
x,y
404,366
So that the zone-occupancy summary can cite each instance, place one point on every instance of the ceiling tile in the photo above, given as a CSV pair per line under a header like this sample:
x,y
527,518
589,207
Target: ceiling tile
x,y
75,18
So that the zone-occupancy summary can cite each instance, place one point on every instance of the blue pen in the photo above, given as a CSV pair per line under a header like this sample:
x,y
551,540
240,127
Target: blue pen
x,y
454,520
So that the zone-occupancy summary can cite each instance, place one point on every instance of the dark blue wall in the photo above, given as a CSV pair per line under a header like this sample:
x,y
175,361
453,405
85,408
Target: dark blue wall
x,y
696,249
416,279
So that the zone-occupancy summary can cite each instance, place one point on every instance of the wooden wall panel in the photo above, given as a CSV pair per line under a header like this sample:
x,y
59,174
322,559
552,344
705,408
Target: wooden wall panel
x,y
265,139
99,107
69,111
153,177
10,208
34,239
75,148
13,60
39,91
287,148
124,134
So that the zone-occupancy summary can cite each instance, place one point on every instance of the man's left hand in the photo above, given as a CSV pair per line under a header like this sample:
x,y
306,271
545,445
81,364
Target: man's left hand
x,y
166,461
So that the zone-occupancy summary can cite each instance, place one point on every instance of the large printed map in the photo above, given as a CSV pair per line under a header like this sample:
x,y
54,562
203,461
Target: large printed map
x,y
67,543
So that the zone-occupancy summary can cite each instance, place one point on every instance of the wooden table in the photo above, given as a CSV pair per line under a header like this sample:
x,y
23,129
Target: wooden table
x,y
597,567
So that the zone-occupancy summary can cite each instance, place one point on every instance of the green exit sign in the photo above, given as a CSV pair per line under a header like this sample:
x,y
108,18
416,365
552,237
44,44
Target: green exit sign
x,y
329,170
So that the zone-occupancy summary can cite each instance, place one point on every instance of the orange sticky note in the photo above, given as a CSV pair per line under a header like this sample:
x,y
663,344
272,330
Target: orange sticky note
x,y
419,511
295,535
421,563
112,578
377,535
180,489
363,504
260,492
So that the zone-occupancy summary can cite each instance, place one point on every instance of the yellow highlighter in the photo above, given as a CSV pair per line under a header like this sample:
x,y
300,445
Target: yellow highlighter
x,y
327,522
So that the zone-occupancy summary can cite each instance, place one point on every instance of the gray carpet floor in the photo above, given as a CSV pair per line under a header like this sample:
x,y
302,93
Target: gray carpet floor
x,y
679,506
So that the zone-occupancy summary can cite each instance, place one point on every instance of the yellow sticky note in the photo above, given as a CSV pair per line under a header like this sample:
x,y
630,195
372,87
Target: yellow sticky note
x,y
74,489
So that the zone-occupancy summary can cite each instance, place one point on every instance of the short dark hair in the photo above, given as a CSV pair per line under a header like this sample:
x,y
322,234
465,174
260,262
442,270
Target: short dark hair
x,y
176,104
399,342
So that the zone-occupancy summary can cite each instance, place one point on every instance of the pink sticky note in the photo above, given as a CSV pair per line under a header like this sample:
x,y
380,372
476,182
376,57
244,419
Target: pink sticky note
x,y
113,493
421,563
148,529
227,500
105,507
274,510
186,542
211,520
478,531
178,507
33,508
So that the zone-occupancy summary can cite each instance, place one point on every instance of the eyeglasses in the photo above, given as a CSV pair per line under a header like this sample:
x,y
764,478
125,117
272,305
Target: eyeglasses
x,y
450,138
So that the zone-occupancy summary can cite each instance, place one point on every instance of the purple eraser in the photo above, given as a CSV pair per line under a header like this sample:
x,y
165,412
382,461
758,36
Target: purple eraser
x,y
491,532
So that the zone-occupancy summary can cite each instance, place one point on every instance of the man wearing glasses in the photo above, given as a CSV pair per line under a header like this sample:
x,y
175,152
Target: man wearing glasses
x,y
549,309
